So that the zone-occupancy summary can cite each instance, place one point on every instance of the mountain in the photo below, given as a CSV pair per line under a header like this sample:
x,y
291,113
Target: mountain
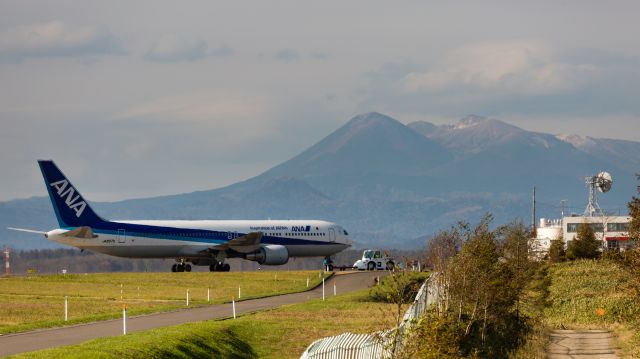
x,y
390,183
368,151
625,154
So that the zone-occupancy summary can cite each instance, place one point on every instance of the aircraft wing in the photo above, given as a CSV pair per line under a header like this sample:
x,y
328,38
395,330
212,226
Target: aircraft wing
x,y
248,243
80,232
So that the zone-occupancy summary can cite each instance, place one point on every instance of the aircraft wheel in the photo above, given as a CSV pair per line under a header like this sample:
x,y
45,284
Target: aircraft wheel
x,y
174,268
226,267
213,268
371,266
390,265
180,267
187,268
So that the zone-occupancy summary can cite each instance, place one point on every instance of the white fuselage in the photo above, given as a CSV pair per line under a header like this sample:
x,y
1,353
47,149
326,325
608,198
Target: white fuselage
x,y
193,239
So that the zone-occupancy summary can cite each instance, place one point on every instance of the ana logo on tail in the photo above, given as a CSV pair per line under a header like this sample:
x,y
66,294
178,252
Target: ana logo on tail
x,y
71,202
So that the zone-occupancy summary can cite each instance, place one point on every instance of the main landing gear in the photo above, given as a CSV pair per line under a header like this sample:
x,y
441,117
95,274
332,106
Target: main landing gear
x,y
219,267
181,267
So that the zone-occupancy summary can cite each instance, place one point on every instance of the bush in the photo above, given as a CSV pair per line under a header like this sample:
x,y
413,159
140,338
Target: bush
x,y
556,251
401,286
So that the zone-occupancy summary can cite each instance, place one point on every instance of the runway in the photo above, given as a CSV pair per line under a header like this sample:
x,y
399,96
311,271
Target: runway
x,y
55,337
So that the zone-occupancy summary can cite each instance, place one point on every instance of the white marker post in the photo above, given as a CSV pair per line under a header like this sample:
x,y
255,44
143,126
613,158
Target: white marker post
x,y
334,289
187,297
208,295
307,282
233,304
124,319
323,289
239,294
66,309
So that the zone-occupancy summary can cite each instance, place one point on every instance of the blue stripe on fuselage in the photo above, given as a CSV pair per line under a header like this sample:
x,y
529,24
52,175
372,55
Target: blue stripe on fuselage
x,y
190,234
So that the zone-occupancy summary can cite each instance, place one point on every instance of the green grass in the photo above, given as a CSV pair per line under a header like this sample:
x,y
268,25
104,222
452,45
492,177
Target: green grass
x,y
578,289
280,333
31,302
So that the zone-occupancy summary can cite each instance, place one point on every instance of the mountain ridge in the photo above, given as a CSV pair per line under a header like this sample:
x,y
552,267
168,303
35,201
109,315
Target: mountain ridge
x,y
388,183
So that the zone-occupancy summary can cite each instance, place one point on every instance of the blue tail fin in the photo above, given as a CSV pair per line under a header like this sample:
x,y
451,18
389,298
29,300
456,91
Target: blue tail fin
x,y
71,209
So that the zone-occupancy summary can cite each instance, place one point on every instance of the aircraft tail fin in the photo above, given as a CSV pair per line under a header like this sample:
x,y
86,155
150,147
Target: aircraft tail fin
x,y
70,207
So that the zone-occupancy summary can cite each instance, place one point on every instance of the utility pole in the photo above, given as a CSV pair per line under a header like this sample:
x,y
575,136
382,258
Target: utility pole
x,y
533,214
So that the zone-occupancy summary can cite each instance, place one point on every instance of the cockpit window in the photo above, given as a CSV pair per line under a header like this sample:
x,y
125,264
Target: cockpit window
x,y
345,232
368,254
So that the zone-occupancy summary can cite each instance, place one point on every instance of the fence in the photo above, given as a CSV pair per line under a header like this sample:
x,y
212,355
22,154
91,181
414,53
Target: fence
x,y
376,345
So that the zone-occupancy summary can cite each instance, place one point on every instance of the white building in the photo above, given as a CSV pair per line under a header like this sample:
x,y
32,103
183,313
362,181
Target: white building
x,y
613,231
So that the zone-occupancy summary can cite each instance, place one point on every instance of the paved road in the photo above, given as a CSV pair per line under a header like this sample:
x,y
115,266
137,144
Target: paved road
x,y
48,338
581,344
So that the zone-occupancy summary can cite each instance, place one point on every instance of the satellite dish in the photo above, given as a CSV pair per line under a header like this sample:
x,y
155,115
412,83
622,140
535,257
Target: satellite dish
x,y
604,181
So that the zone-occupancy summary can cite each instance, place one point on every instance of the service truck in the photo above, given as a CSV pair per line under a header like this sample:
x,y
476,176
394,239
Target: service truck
x,y
373,259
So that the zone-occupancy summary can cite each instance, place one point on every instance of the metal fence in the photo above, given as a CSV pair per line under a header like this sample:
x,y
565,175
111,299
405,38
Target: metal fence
x,y
376,345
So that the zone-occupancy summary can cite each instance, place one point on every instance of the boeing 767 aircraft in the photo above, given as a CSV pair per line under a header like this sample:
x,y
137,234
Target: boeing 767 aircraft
x,y
202,242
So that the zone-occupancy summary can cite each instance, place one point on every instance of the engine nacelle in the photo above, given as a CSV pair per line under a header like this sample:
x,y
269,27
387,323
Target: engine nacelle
x,y
270,254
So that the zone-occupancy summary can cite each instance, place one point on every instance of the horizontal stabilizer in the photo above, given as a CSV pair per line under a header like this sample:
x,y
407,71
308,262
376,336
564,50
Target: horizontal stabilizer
x,y
80,232
26,230
250,242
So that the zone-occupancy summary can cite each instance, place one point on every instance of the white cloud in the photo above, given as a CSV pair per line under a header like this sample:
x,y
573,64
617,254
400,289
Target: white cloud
x,y
176,48
56,38
515,67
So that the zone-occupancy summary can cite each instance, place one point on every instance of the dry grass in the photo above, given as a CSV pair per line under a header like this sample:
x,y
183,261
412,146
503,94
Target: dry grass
x,y
38,301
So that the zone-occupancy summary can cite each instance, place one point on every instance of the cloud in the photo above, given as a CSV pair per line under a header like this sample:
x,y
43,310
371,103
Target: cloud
x,y
287,55
502,78
57,38
515,67
175,48
223,50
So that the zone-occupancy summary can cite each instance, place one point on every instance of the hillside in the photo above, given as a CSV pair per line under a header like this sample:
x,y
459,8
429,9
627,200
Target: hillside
x,y
387,183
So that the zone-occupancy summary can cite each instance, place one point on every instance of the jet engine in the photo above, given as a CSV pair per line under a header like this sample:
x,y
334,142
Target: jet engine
x,y
270,254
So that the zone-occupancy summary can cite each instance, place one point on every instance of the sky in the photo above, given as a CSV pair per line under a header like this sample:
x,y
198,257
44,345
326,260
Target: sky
x,y
143,98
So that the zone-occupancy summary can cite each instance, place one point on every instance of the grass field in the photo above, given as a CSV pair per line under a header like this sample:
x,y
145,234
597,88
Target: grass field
x,y
279,333
594,294
31,302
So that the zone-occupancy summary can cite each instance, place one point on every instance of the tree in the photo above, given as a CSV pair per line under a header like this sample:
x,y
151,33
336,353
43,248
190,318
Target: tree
x,y
556,251
515,249
634,213
585,244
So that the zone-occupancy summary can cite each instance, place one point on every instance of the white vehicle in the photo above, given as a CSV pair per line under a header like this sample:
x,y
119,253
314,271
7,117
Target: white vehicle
x,y
373,259
203,243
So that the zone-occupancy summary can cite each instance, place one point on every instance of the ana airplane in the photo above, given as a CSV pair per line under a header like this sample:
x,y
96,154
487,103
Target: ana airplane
x,y
203,242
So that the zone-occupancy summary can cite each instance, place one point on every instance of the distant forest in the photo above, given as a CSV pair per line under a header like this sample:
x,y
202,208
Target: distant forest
x,y
74,261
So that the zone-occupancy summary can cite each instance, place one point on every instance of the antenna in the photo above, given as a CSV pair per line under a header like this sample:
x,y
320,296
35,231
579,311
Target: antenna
x,y
599,183
562,203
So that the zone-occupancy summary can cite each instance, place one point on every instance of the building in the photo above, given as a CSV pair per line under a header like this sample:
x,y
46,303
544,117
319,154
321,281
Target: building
x,y
613,231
